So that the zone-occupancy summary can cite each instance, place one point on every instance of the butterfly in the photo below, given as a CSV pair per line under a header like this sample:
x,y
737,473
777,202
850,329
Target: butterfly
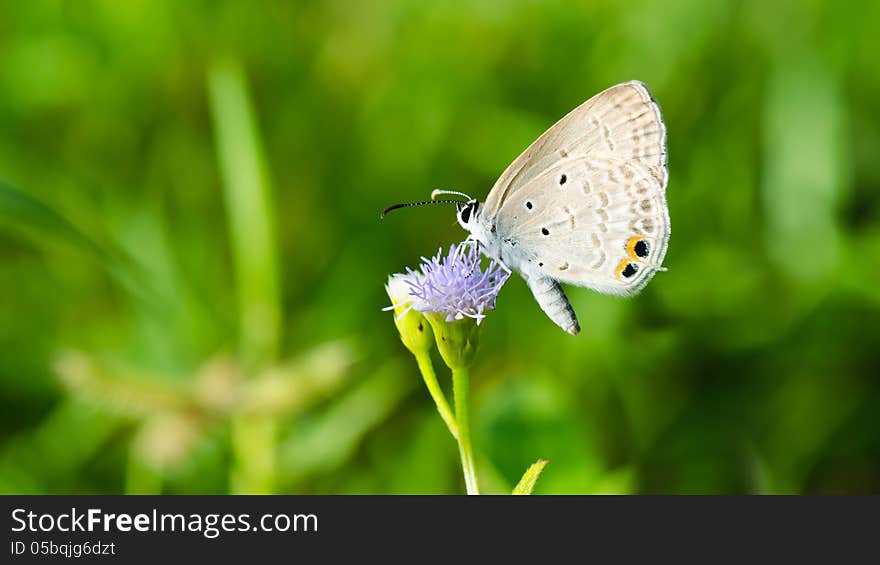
x,y
585,204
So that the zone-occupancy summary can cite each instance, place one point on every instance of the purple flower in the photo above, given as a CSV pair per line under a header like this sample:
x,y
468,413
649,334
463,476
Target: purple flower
x,y
454,285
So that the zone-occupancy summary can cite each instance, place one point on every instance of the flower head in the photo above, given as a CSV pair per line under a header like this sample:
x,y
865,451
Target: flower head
x,y
455,285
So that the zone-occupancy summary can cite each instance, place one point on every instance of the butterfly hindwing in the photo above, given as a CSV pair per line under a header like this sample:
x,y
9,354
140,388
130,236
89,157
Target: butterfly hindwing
x,y
600,223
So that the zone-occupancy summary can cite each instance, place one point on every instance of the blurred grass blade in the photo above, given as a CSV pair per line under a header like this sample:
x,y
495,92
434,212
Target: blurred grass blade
x,y
331,438
54,452
806,173
23,212
296,384
119,391
527,482
35,219
249,209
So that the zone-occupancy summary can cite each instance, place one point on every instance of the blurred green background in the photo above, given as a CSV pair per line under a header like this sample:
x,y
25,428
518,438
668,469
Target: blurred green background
x,y
192,264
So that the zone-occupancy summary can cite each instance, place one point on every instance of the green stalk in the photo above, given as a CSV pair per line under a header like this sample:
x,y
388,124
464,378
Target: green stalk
x,y
250,211
249,208
430,377
253,446
460,378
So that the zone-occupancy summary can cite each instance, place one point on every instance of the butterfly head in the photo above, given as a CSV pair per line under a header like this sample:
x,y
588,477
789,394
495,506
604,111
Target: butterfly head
x,y
467,213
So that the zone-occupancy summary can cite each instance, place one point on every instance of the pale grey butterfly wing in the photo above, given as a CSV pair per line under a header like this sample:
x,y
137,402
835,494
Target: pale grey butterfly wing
x,y
622,122
585,204
595,222
579,200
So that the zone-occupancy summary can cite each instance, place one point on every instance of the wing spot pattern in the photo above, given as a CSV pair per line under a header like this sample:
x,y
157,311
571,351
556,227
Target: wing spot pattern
x,y
643,225
567,210
612,176
564,266
603,223
640,116
606,133
632,208
600,260
586,187
655,172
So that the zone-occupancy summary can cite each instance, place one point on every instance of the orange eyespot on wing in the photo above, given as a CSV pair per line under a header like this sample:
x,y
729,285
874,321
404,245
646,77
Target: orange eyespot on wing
x,y
626,270
638,248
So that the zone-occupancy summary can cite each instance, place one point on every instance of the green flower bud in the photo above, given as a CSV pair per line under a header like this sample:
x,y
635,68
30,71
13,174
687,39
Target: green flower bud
x,y
415,331
456,340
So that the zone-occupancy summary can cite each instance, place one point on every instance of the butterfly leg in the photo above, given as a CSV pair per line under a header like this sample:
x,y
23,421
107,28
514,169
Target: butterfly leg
x,y
462,249
476,261
554,303
503,266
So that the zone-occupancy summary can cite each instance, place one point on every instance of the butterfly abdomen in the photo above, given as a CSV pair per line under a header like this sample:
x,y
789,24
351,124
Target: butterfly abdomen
x,y
554,303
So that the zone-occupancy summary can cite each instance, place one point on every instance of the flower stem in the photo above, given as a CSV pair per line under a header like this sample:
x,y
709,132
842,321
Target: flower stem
x,y
430,377
253,445
460,378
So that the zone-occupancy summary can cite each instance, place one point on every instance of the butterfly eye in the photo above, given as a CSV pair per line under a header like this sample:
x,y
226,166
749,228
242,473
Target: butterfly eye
x,y
638,248
466,214
627,270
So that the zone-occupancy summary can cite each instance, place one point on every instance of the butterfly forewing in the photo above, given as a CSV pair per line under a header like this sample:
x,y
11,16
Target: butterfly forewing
x,y
622,122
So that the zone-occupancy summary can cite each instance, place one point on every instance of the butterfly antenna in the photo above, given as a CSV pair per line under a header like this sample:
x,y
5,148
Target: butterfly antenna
x,y
437,192
410,204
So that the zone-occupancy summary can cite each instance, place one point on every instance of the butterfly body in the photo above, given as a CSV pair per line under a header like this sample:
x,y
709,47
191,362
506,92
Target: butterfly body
x,y
585,204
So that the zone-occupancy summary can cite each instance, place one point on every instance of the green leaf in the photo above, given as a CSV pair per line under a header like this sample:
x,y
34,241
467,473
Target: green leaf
x,y
527,482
